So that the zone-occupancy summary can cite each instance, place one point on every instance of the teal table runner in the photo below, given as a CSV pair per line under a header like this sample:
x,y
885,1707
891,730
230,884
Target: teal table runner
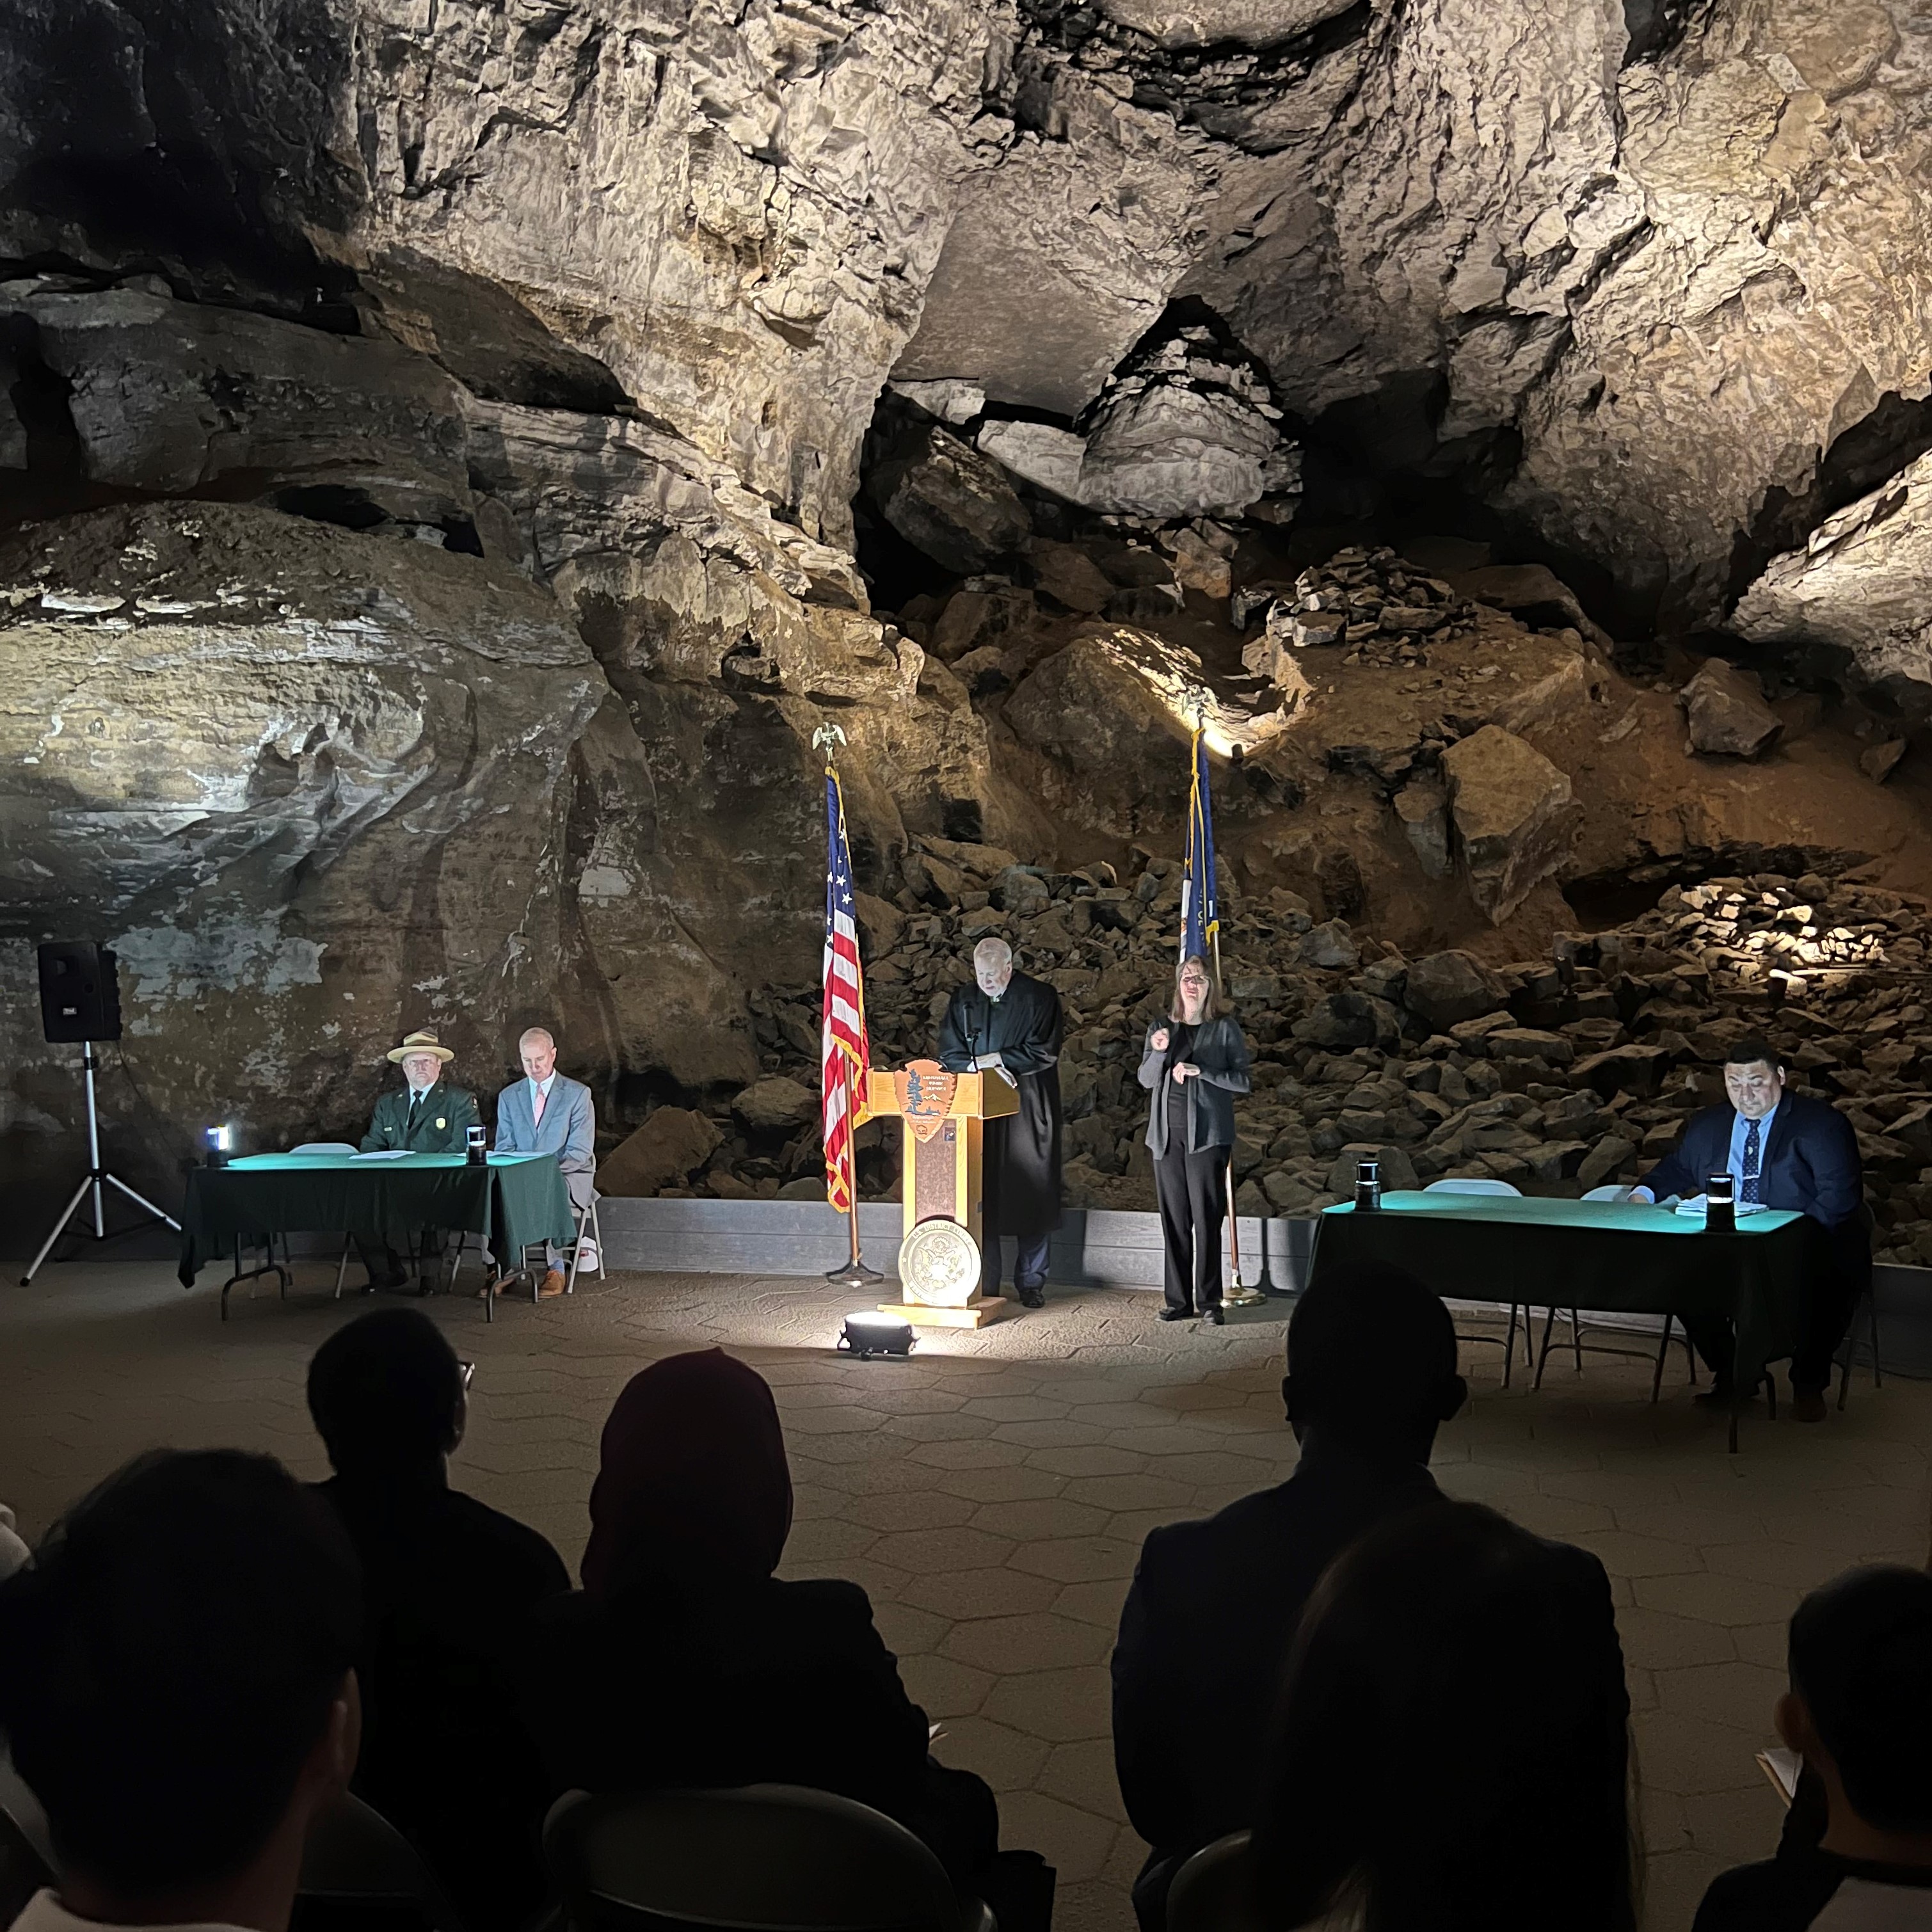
x,y
520,1197
1616,1257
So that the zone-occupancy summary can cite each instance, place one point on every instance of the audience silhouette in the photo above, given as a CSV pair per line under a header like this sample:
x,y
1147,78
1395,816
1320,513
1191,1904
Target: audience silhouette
x,y
1452,1750
451,1586
1859,1712
1371,1374
685,1661
177,1687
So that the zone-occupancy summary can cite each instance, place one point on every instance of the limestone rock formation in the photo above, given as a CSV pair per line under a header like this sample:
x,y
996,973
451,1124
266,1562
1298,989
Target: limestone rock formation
x,y
309,781
1725,709
1184,430
946,498
673,1143
1514,816
173,398
1859,584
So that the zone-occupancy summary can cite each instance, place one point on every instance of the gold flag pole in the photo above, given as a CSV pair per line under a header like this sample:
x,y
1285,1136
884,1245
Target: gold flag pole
x,y
1236,1295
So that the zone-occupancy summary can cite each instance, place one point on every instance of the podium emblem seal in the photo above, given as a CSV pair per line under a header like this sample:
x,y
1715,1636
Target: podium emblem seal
x,y
939,1264
925,1091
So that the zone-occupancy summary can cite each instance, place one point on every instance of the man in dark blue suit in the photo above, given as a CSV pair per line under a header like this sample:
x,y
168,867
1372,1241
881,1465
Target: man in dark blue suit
x,y
1785,1151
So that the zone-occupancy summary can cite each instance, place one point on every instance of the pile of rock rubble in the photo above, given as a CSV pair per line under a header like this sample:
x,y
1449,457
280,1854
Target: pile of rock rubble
x,y
1378,608
1556,1074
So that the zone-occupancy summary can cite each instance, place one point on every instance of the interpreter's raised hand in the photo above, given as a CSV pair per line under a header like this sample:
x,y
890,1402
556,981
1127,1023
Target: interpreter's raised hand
x,y
1186,1071
1158,1041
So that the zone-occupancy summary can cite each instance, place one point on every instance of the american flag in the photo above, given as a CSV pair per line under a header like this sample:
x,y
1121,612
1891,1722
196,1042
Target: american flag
x,y
846,1056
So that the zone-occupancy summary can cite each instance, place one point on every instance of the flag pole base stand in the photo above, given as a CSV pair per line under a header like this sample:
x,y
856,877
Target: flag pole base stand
x,y
853,1274
928,1315
1238,1296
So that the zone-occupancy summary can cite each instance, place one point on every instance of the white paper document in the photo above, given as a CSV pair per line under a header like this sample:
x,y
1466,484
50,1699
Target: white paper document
x,y
384,1153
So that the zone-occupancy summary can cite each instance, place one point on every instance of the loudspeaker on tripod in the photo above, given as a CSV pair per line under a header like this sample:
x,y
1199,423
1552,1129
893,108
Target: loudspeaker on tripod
x,y
80,992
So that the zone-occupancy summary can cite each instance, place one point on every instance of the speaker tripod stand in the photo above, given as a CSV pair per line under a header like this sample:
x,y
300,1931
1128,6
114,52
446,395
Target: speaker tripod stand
x,y
97,1180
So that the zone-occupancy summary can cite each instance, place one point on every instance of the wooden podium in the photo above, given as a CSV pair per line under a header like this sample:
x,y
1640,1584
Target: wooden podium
x,y
944,1116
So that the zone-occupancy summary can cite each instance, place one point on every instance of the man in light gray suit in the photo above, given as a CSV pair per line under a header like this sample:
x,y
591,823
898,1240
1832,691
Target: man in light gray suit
x,y
547,1112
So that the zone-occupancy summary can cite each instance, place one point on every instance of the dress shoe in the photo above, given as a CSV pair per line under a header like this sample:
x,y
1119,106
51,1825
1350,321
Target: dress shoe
x,y
1177,1315
1031,1294
1807,1405
395,1279
1212,1315
552,1286
1712,1398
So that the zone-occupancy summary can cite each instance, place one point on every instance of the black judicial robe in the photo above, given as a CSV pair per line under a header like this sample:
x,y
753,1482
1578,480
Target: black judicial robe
x,y
1022,1151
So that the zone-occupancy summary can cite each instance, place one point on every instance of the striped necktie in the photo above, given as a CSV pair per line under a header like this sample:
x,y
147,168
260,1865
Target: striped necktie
x,y
1748,1193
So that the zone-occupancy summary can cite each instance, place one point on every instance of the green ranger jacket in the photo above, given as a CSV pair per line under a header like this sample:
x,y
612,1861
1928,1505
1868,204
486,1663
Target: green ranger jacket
x,y
444,1116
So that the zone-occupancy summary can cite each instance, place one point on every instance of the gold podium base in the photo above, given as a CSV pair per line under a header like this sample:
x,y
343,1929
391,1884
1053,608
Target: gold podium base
x,y
926,1315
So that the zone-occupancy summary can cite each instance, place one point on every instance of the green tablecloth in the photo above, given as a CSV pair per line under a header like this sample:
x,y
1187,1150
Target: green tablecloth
x,y
516,1200
1616,1256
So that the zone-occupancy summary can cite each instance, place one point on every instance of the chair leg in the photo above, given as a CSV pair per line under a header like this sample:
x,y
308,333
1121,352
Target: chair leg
x,y
1662,1349
1543,1354
342,1268
1509,1345
1576,1337
1689,1359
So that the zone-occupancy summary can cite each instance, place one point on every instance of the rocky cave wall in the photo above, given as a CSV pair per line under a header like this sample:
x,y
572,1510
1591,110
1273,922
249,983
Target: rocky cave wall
x,y
453,458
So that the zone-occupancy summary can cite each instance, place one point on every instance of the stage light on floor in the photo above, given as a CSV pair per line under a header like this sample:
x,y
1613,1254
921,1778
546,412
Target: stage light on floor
x,y
867,1334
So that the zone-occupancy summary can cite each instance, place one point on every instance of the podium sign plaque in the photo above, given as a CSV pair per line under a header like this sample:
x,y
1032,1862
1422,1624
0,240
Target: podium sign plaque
x,y
941,1187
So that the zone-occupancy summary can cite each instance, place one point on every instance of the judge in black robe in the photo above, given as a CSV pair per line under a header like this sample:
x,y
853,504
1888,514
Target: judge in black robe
x,y
1006,1020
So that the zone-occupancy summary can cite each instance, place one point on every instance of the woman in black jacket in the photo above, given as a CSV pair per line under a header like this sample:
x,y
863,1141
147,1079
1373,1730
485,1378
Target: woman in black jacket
x,y
1195,1062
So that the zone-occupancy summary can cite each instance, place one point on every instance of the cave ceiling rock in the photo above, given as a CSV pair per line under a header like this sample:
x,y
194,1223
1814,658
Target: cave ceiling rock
x,y
1779,289
737,209
1415,198
1063,250
307,779
1861,585
175,398
1676,280
1254,23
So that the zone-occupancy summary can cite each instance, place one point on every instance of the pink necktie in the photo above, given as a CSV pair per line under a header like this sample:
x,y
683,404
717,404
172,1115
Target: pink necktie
x,y
537,1121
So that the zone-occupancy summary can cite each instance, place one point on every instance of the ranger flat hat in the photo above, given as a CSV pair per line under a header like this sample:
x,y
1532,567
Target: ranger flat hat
x,y
424,1041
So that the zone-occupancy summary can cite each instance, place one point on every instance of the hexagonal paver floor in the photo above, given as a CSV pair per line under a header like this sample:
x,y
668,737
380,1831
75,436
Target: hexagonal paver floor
x,y
991,1494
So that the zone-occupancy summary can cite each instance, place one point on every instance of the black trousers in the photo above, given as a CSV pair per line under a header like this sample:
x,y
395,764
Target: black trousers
x,y
1192,1190
1840,1274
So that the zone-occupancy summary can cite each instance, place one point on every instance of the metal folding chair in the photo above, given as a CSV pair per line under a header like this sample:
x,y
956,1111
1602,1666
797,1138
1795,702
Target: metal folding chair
x,y
1518,1311
1579,1327
766,1858
585,1223
1869,1301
